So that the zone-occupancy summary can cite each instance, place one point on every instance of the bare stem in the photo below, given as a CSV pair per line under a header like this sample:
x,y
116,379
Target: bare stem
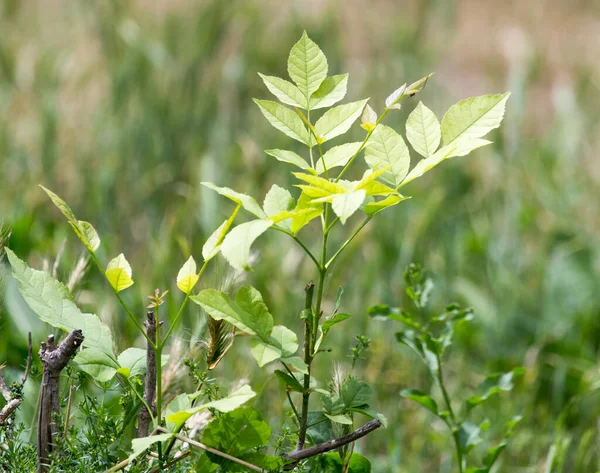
x,y
145,415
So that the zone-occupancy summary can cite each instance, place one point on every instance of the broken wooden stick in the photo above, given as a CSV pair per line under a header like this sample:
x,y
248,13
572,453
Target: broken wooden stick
x,y
54,358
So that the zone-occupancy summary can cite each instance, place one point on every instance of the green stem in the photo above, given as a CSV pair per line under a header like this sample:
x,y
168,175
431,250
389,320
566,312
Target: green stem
x,y
308,344
141,398
293,407
302,245
347,242
158,352
453,425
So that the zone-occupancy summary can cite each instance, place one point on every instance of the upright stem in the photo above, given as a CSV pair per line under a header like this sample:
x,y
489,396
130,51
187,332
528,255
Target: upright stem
x,y
454,424
308,344
146,413
158,354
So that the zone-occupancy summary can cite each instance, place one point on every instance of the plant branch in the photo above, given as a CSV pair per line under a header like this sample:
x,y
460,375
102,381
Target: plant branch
x,y
214,451
333,444
348,241
150,379
308,338
306,250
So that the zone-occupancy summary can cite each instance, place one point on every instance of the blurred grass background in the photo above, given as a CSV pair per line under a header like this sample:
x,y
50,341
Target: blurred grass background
x,y
123,107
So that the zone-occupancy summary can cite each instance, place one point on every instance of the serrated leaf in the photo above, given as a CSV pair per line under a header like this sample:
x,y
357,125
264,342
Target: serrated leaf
x,y
187,277
289,157
307,65
345,205
285,91
236,245
245,200
338,120
118,273
52,302
330,92
303,218
395,97
247,312
426,401
387,148
423,130
473,118
285,120
337,156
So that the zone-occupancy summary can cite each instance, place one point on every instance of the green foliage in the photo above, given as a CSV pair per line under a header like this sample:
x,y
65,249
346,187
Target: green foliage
x,y
325,194
430,339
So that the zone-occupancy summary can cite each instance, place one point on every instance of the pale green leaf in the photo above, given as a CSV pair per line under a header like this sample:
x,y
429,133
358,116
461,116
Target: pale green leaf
x,y
84,230
140,445
368,118
306,211
245,200
187,277
337,156
377,206
297,363
423,130
319,186
387,148
289,157
212,246
134,361
428,163
339,419
97,363
118,273
264,352
331,91
285,120
247,312
277,201
285,91
392,100
346,205
473,118
282,343
233,401
237,243
91,239
52,302
307,65
338,120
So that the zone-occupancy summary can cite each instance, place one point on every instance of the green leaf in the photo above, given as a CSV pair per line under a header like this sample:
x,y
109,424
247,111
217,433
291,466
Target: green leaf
x,y
494,384
338,120
307,65
429,163
356,393
297,363
236,245
333,404
289,157
90,237
289,382
426,401
345,205
377,206
212,246
97,363
330,92
276,201
340,419
247,312
233,401
358,464
301,219
337,156
368,118
134,361
473,117
386,148
285,91
392,101
373,414
52,302
285,120
320,429
281,344
118,273
245,200
187,276
423,130
336,319
140,445
318,186
236,433
84,230
469,436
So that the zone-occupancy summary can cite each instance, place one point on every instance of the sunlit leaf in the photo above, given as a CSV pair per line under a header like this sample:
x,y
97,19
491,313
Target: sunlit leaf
x,y
386,148
345,205
285,120
307,65
285,91
236,245
187,277
303,218
330,92
337,156
245,200
338,120
118,273
421,398
289,157
423,130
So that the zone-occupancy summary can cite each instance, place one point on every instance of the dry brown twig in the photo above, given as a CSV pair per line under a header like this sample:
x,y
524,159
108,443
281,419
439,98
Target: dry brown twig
x,y
12,403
